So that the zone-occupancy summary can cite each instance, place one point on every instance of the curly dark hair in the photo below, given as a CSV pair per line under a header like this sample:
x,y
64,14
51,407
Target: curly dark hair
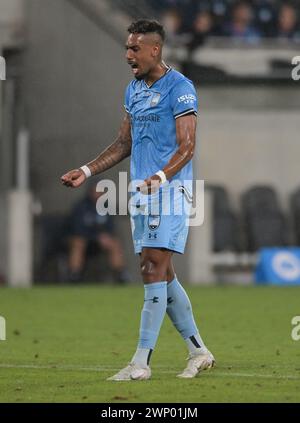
x,y
145,26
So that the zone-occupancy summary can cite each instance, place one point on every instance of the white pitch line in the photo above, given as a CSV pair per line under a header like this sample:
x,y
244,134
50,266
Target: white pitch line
x,y
258,375
161,370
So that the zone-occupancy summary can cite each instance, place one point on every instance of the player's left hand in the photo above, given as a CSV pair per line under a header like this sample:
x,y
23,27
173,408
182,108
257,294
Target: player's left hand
x,y
150,185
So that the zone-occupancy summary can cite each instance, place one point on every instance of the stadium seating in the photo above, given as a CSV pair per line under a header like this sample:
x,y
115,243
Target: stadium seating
x,y
225,223
295,213
264,222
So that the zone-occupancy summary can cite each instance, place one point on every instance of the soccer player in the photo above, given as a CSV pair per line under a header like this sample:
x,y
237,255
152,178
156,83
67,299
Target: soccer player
x,y
158,131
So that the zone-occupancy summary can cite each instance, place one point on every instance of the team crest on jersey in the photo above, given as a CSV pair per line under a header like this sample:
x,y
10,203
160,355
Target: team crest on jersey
x,y
155,99
153,222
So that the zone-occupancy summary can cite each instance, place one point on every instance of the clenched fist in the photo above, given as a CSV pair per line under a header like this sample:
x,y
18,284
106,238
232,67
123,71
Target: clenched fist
x,y
74,178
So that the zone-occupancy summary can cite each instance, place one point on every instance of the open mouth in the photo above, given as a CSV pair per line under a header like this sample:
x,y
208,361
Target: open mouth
x,y
134,68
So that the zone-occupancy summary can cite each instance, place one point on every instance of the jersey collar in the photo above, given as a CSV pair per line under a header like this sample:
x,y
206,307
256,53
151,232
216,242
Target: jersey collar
x,y
167,71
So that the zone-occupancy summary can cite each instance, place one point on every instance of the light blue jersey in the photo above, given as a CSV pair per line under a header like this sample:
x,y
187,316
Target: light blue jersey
x,y
153,111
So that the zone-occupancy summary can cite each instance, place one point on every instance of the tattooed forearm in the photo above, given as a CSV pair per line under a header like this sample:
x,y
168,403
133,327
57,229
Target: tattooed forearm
x,y
113,155
116,152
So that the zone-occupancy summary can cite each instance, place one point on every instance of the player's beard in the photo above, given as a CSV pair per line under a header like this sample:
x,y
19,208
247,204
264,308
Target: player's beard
x,y
140,76
143,72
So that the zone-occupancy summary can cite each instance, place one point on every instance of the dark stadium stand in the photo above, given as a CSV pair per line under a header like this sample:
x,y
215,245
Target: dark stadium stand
x,y
264,223
255,20
295,214
225,222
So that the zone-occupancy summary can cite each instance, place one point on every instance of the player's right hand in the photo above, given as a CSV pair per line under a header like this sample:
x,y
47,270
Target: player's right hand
x,y
74,178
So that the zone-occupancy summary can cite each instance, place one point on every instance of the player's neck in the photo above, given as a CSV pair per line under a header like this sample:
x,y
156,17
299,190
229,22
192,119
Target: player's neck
x,y
156,73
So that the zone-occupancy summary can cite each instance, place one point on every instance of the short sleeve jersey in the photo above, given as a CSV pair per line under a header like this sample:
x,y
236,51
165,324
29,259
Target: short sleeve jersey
x,y
153,112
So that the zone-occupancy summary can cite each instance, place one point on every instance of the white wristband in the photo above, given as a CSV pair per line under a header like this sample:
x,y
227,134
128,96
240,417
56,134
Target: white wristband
x,y
162,176
86,170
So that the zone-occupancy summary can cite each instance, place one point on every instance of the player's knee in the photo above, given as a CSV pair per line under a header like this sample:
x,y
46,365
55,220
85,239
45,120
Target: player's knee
x,y
152,271
170,274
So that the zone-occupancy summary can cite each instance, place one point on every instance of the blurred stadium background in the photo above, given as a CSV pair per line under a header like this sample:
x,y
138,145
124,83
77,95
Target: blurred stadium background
x,y
62,101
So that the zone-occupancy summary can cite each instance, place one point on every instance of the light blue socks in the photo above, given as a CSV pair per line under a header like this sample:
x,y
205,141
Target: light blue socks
x,y
159,298
179,310
153,314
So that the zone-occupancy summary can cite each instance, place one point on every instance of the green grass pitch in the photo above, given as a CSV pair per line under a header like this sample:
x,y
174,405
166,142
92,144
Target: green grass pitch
x,y
63,342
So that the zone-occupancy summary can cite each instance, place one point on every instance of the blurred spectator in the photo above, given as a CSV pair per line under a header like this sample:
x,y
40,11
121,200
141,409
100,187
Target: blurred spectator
x,y
220,12
288,22
203,26
241,23
241,19
173,24
265,13
87,228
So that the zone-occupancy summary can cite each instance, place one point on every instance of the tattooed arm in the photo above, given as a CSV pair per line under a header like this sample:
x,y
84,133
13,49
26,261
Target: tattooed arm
x,y
112,155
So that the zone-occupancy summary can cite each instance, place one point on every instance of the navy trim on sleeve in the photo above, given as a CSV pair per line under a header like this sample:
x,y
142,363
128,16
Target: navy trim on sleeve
x,y
186,112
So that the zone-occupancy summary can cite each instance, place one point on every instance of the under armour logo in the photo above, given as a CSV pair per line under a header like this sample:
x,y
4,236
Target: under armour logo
x,y
154,300
154,236
170,300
